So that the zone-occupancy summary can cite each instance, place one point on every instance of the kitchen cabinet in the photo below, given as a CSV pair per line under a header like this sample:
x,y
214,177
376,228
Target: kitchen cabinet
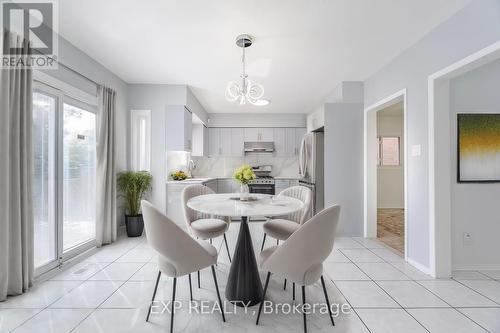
x,y
287,141
174,203
212,184
179,122
225,142
282,184
200,140
227,185
253,134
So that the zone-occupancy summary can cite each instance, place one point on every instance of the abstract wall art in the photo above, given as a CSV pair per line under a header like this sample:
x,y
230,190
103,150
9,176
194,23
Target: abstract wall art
x,y
478,148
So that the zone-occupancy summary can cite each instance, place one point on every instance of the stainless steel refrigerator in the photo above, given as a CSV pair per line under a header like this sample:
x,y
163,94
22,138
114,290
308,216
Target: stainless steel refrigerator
x,y
311,168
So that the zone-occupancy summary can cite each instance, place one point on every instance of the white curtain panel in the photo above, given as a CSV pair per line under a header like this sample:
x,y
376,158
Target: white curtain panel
x,y
106,183
16,173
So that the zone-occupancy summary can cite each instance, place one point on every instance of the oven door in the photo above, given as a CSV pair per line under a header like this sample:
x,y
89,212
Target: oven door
x,y
262,188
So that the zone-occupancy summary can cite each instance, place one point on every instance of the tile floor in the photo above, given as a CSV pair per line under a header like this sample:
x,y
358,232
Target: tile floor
x,y
110,292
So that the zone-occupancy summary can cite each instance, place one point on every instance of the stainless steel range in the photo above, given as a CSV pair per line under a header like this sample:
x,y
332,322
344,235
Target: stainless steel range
x,y
264,183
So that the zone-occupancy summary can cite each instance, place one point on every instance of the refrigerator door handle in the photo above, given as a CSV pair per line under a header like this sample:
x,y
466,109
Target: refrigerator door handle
x,y
303,158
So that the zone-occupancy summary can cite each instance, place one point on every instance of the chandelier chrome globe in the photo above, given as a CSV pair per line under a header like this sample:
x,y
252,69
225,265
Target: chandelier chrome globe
x,y
247,91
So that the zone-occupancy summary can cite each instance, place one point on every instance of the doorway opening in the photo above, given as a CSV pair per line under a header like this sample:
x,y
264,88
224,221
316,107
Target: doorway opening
x,y
385,172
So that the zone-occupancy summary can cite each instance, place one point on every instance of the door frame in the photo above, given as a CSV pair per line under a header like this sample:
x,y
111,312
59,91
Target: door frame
x,y
370,165
61,98
440,165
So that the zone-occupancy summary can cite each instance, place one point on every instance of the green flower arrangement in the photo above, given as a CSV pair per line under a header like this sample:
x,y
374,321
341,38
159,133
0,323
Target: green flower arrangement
x,y
244,174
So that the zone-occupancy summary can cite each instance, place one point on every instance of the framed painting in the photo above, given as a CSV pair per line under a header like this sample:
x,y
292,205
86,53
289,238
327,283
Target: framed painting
x,y
478,147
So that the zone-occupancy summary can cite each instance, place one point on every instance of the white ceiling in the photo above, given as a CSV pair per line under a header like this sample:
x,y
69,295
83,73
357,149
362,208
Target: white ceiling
x,y
303,48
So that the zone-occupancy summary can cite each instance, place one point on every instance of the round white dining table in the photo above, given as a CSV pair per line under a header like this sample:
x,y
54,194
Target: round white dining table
x,y
244,287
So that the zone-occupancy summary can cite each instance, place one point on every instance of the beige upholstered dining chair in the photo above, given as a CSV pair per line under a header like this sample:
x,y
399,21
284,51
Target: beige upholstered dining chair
x,y
282,227
203,226
300,258
178,253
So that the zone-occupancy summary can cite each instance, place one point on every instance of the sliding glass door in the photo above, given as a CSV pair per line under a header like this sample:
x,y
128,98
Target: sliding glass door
x,y
79,168
64,149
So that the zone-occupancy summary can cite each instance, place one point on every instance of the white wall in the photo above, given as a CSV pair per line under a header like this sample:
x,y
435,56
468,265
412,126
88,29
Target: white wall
x,y
390,179
156,97
471,29
257,120
344,164
475,208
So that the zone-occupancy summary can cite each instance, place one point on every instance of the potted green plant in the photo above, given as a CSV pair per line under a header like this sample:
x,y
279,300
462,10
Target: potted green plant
x,y
133,186
244,175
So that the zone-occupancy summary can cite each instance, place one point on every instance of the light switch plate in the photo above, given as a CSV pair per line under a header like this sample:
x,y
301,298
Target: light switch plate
x,y
416,150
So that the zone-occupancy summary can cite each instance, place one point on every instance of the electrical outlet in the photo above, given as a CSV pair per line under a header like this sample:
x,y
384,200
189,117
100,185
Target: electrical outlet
x,y
467,238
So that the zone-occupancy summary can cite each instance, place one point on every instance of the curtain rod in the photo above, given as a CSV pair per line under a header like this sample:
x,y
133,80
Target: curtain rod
x,y
70,69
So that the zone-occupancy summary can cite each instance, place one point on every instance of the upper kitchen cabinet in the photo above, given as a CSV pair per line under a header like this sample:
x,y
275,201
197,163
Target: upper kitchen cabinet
x,y
225,142
200,140
179,122
287,141
252,134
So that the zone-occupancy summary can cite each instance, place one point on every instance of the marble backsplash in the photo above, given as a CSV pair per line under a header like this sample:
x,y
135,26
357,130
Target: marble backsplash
x,y
221,167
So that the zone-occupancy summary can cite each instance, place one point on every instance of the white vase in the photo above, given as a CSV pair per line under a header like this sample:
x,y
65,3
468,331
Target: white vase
x,y
244,192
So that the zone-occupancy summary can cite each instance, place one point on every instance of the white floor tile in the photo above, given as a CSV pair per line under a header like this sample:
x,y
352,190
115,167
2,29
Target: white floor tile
x,y
107,255
488,288
388,255
494,274
344,271
409,294
456,294
88,295
12,318
469,275
411,271
148,272
487,318
337,256
361,255
137,255
117,271
54,321
445,321
346,243
118,321
41,295
370,243
132,294
389,321
382,271
80,272
365,294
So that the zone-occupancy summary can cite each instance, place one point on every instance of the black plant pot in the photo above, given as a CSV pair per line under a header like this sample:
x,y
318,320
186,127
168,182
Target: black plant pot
x,y
134,224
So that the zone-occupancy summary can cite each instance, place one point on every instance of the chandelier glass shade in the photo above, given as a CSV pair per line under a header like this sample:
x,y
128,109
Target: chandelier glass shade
x,y
247,91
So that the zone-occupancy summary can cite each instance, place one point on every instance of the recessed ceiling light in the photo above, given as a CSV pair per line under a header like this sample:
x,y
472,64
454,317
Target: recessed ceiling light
x,y
262,102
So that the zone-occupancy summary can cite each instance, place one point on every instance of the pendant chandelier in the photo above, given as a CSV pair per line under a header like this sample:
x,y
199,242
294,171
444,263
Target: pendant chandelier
x,y
247,91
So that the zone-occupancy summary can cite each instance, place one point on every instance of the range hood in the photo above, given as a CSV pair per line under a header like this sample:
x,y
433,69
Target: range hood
x,y
259,147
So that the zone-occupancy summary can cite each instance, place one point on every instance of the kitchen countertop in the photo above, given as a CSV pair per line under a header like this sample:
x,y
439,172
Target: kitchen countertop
x,y
189,181
201,180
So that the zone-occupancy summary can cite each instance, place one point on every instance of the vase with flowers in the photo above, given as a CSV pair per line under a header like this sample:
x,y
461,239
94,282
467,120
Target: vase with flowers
x,y
244,175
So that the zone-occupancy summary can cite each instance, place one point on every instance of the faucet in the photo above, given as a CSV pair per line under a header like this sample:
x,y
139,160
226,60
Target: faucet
x,y
190,167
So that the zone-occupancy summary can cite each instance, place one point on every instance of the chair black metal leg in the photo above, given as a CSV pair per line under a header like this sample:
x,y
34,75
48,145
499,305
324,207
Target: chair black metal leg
x,y
284,285
154,294
218,294
327,300
263,297
263,242
227,248
277,242
303,312
190,287
293,294
199,284
210,240
173,307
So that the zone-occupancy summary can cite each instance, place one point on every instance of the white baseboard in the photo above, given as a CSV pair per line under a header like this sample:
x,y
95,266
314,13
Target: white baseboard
x,y
420,267
477,267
